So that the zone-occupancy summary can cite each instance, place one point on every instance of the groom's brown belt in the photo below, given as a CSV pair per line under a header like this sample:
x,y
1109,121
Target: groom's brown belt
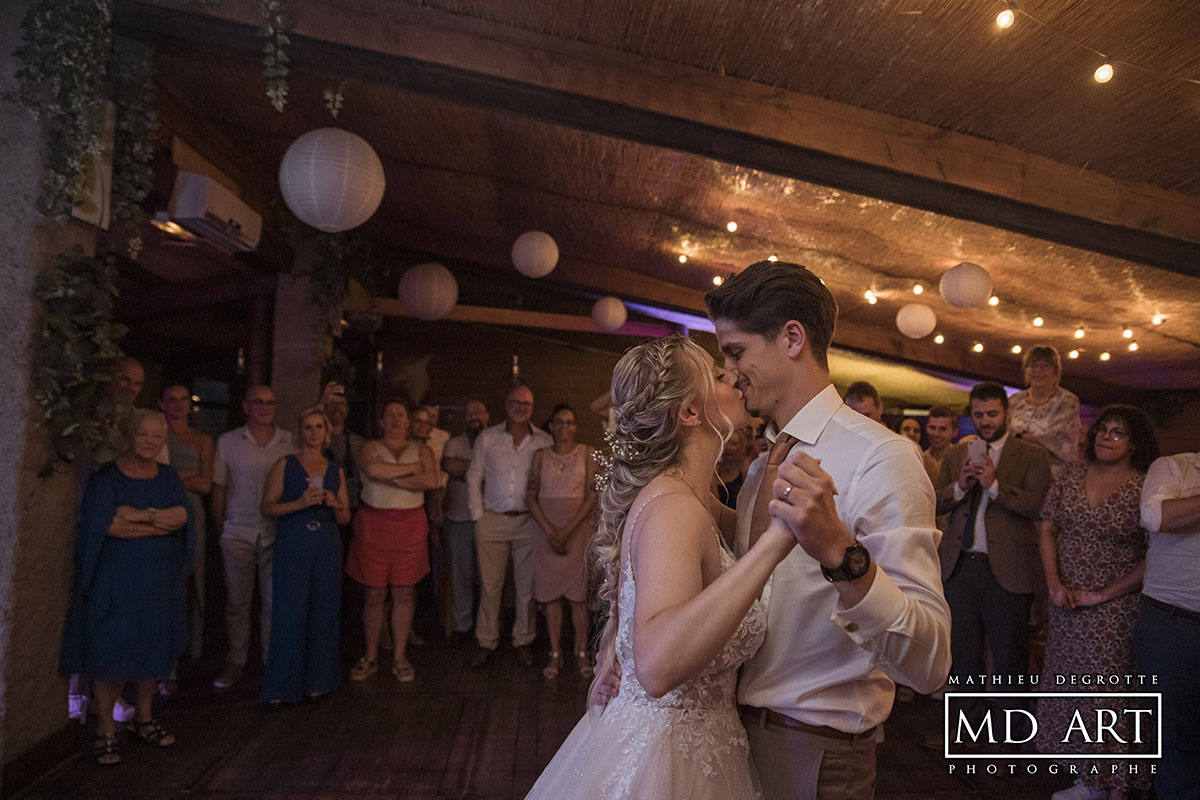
x,y
765,716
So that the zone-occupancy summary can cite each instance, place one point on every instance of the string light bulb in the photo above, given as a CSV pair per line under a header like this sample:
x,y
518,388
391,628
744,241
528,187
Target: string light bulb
x,y
731,226
1103,73
1016,349
939,339
718,280
1127,333
772,258
1005,18
1158,319
978,348
993,301
918,289
871,298
1073,354
1133,346
1038,322
683,258
1105,356
1079,333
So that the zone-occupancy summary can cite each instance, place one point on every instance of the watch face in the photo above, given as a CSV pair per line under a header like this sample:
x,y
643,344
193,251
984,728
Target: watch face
x,y
857,562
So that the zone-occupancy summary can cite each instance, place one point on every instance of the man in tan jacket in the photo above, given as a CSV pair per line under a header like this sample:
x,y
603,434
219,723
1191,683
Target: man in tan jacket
x,y
992,489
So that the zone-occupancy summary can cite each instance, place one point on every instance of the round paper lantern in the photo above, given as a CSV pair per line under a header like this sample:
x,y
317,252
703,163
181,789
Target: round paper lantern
x,y
331,179
966,285
428,291
535,254
916,320
609,314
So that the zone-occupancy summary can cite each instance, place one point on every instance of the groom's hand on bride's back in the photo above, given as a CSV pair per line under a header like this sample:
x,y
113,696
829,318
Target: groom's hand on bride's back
x,y
605,690
809,510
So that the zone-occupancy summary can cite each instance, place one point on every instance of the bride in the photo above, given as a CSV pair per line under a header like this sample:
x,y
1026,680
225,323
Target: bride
x,y
683,615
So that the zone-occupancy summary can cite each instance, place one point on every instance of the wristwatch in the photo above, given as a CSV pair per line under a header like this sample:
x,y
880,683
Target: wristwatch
x,y
855,564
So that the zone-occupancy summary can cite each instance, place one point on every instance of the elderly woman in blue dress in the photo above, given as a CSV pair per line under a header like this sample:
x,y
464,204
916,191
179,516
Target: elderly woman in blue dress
x,y
128,618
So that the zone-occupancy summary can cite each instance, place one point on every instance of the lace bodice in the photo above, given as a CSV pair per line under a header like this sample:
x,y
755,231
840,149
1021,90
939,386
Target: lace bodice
x,y
564,476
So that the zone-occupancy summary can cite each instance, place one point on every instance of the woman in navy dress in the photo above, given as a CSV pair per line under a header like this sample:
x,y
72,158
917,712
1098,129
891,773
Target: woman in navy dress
x,y
128,617
307,492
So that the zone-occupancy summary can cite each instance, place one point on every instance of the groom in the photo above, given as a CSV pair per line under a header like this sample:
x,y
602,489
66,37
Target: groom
x,y
859,605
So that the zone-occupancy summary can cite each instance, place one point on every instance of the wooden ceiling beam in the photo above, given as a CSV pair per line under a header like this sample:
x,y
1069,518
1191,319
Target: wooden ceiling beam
x,y
685,108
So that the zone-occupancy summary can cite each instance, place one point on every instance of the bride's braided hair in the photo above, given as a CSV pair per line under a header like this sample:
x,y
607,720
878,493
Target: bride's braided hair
x,y
651,385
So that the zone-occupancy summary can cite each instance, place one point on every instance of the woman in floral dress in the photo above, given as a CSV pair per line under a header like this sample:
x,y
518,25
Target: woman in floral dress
x,y
1093,550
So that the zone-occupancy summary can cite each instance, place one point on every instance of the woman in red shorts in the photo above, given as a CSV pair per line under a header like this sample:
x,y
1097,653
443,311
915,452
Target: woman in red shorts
x,y
390,548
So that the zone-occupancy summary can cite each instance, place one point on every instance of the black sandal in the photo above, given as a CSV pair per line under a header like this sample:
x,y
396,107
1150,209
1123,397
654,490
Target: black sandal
x,y
151,733
105,749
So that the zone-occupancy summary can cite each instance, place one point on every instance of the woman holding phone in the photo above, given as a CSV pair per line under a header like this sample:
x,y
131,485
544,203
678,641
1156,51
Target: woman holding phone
x,y
307,493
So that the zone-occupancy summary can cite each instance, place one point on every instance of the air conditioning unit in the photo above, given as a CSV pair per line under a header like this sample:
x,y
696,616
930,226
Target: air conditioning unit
x,y
215,214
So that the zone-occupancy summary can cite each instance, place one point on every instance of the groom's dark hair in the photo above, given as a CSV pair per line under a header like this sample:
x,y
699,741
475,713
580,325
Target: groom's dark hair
x,y
765,296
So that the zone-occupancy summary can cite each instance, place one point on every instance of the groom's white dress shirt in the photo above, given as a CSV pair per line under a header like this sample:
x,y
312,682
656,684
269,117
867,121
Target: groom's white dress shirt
x,y
826,664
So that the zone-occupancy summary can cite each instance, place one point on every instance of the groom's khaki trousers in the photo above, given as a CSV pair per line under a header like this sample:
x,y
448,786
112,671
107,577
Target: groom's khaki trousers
x,y
796,765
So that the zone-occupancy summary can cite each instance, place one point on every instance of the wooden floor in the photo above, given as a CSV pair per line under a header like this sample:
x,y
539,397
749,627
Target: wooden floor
x,y
454,733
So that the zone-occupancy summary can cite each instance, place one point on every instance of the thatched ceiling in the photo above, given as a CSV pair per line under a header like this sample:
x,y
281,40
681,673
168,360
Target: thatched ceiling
x,y
464,180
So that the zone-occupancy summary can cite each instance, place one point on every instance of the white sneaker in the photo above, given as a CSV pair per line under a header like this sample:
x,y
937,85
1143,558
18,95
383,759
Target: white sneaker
x,y
228,677
1080,792
77,706
122,711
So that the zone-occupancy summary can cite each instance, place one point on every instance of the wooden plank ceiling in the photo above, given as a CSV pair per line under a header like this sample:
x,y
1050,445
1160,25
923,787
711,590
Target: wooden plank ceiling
x,y
465,179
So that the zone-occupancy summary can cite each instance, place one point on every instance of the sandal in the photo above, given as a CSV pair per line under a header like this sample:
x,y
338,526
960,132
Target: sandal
x,y
584,664
151,733
105,749
364,669
551,670
403,672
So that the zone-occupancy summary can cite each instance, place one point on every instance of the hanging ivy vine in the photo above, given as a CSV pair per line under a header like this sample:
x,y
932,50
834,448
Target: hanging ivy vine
x,y
275,58
77,352
136,97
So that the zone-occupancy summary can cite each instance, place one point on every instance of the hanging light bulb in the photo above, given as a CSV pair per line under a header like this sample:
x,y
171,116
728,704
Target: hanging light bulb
x,y
1103,73
978,348
772,258
871,298
1079,333
1038,322
718,280
682,258
918,289
1158,319
993,301
1073,354
1133,346
1105,356
1127,333
939,339
731,226
1005,18
1016,349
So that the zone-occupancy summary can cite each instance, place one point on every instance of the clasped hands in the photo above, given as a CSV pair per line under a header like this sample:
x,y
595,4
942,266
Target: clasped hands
x,y
1069,597
316,495
802,507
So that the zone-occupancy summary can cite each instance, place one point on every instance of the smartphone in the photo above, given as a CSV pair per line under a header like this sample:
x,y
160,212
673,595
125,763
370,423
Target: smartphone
x,y
976,451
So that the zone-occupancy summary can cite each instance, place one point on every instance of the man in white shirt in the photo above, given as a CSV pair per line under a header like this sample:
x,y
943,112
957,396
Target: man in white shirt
x,y
241,463
496,482
1166,639
460,528
859,604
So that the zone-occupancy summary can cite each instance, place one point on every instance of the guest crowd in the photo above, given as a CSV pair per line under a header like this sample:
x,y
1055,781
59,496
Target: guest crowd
x,y
1087,535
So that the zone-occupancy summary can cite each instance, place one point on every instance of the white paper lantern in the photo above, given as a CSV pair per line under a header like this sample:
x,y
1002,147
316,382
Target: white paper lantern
x,y
331,179
916,320
966,285
609,314
428,291
535,254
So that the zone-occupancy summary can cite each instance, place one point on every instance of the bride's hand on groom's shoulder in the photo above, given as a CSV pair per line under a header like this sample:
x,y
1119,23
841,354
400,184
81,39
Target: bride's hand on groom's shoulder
x,y
803,500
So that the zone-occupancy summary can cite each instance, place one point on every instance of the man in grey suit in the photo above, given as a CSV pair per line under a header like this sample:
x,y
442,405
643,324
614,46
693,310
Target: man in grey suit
x,y
992,490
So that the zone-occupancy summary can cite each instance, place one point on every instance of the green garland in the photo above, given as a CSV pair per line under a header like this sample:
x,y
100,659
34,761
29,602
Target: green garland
x,y
63,52
133,153
77,352
275,58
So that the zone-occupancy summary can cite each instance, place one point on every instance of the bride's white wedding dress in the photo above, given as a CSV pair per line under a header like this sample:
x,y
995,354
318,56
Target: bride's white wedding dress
x,y
688,744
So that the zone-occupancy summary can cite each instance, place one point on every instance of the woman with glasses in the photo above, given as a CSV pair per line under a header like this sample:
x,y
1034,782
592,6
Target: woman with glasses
x,y
1046,413
1094,553
560,495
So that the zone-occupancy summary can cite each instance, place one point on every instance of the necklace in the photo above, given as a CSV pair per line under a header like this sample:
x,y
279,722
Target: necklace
x,y
692,489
